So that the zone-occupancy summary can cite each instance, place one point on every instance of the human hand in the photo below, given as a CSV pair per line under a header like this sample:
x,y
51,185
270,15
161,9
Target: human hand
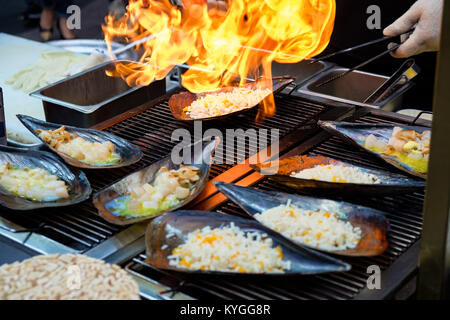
x,y
425,16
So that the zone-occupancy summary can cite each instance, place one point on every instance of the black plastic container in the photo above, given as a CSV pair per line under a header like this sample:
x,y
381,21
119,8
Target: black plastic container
x,y
92,96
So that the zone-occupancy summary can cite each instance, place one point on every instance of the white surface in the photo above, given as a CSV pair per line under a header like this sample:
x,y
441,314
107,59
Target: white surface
x,y
16,54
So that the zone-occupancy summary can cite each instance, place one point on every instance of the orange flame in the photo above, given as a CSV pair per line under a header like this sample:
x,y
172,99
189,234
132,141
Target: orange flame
x,y
243,42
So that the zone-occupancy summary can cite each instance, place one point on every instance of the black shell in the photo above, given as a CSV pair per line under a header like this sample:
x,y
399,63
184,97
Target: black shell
x,y
170,230
79,187
373,223
128,152
390,182
356,134
147,175
184,99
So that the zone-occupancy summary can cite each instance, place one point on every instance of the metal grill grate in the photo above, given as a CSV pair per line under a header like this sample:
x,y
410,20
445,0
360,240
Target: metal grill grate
x,y
403,211
152,129
80,229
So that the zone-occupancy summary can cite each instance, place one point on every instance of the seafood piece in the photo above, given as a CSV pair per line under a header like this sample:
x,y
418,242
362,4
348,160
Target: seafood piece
x,y
408,141
374,143
170,187
35,179
229,249
78,148
84,148
365,227
35,184
224,102
161,187
330,175
216,243
406,147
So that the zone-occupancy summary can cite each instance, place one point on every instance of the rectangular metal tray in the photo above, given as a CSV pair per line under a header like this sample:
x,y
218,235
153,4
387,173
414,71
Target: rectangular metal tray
x,y
354,88
92,96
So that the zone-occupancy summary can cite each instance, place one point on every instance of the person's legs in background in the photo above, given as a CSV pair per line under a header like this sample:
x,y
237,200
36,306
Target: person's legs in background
x,y
50,8
46,22
61,13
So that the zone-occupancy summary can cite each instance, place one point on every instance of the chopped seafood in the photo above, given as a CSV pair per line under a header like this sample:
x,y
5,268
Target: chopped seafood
x,y
386,141
84,148
319,229
34,184
218,104
336,173
79,148
112,202
408,146
169,188
229,249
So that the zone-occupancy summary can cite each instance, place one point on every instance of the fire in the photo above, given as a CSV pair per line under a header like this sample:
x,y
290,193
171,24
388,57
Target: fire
x,y
239,44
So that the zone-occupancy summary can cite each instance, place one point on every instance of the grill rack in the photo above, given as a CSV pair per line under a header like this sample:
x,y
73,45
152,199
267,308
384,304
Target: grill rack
x,y
150,130
78,229
404,212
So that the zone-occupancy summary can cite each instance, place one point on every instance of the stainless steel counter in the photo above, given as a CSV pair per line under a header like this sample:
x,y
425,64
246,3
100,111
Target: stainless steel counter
x,y
9,252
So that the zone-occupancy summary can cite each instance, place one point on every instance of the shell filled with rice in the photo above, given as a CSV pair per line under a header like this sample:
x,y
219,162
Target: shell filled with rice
x,y
222,103
206,242
229,249
332,176
319,228
225,101
337,173
334,226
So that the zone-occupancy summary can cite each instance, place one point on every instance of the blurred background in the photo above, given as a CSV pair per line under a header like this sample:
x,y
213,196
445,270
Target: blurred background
x,y
21,18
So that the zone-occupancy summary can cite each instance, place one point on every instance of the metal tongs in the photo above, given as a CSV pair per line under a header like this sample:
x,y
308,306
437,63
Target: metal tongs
x,y
406,72
363,45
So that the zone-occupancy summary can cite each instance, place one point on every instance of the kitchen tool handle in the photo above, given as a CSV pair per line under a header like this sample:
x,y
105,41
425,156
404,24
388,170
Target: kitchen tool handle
x,y
407,70
359,66
362,45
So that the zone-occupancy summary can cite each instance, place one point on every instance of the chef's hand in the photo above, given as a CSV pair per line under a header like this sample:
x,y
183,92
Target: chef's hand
x,y
425,16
